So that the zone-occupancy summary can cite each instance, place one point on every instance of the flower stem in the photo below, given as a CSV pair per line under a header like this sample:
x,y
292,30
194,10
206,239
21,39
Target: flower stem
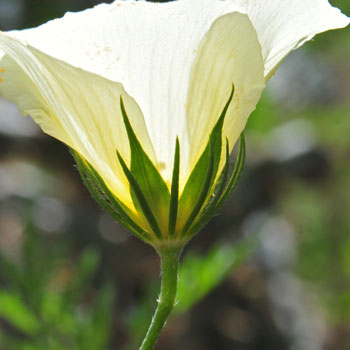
x,y
169,257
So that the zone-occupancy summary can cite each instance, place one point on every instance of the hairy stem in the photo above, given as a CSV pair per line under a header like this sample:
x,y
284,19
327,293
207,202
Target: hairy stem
x,y
169,257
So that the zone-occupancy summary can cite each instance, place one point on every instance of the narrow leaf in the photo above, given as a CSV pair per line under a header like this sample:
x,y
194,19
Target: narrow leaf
x,y
174,196
15,311
140,198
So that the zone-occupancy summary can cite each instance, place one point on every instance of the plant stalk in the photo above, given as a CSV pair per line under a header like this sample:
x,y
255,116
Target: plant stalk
x,y
169,257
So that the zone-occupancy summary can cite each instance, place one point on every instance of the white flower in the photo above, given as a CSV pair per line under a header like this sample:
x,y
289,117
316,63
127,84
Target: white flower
x,y
173,63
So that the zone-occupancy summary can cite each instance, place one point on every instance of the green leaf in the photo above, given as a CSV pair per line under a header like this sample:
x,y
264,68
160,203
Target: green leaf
x,y
199,182
147,176
174,199
14,310
141,199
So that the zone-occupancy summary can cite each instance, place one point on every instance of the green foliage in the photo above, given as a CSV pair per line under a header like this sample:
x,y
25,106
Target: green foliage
x,y
140,315
199,275
15,311
50,303
266,115
318,210
323,244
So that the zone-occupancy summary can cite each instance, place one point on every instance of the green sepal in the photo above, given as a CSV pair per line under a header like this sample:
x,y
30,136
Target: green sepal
x,y
105,198
174,195
140,198
199,182
236,171
204,193
216,136
220,188
210,210
147,176
194,184
223,189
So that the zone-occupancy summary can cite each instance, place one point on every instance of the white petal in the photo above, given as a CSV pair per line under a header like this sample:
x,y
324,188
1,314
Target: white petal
x,y
148,47
79,108
151,48
283,26
230,53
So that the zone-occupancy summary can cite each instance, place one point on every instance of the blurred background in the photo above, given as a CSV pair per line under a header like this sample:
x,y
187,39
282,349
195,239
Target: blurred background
x,y
272,271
